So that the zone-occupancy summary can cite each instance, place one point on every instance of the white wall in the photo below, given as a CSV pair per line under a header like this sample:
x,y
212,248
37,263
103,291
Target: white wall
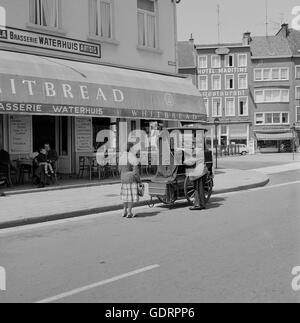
x,y
75,22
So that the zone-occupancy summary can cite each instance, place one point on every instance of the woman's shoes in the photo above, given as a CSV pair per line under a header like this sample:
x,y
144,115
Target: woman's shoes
x,y
130,216
125,215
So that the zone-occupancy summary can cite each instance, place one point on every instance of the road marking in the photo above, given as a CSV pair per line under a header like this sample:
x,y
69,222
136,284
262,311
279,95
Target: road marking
x,y
96,285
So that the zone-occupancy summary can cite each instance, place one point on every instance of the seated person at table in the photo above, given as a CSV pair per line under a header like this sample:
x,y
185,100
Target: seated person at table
x,y
52,156
43,161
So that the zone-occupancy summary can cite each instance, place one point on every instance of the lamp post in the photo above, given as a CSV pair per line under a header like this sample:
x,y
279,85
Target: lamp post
x,y
216,123
293,128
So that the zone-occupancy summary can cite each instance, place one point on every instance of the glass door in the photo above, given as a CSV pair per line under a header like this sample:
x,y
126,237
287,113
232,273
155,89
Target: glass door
x,y
64,141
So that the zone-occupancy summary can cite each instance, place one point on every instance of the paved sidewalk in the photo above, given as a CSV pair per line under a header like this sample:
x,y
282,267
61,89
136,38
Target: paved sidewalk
x,y
38,207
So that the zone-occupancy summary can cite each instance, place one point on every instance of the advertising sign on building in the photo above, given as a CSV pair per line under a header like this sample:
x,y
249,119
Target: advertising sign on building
x,y
48,42
20,139
84,135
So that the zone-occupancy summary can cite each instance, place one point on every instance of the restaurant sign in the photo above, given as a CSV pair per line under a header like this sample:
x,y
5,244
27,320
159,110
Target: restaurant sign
x,y
48,42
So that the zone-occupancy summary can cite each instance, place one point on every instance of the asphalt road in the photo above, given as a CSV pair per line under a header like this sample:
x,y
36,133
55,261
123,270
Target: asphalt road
x,y
242,249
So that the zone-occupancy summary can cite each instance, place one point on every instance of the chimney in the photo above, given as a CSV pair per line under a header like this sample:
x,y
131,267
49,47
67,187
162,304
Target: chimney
x,y
285,30
246,38
192,40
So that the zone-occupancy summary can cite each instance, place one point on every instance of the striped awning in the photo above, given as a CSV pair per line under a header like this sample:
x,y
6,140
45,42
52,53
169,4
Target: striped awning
x,y
274,136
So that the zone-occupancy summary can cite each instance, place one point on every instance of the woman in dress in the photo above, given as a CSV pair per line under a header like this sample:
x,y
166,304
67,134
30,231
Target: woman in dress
x,y
130,179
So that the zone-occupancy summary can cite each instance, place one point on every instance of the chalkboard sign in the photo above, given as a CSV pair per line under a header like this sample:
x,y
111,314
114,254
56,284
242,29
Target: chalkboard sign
x,y
84,135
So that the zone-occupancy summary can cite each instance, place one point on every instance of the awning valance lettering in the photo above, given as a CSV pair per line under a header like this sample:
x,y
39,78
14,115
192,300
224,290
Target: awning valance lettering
x,y
39,85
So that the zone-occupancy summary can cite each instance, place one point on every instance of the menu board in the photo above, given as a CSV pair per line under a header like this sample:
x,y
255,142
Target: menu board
x,y
84,135
20,139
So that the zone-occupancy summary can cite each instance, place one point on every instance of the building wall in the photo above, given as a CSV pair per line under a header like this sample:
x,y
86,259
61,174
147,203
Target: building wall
x,y
236,122
123,50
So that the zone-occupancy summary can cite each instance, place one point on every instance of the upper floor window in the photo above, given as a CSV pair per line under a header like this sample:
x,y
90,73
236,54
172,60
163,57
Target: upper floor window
x,y
243,106
243,60
271,74
45,13
216,107
297,75
272,118
229,82
206,106
243,81
271,96
203,83
297,114
147,29
215,61
230,107
202,61
101,18
216,82
229,60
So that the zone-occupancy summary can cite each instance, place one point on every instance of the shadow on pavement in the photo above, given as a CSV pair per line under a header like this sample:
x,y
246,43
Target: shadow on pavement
x,y
147,215
215,203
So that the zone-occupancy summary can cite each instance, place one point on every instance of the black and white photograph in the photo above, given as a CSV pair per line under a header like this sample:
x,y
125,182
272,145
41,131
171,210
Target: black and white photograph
x,y
149,154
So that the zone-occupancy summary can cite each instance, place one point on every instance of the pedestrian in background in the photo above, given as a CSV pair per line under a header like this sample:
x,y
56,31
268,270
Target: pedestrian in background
x,y
130,179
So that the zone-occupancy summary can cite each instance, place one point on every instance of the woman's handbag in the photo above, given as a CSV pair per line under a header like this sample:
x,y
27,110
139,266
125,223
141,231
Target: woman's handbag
x,y
141,190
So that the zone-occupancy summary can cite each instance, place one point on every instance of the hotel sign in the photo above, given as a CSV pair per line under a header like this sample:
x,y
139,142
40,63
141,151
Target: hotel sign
x,y
48,42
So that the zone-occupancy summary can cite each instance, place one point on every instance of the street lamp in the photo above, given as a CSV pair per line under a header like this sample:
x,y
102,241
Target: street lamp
x,y
293,128
216,123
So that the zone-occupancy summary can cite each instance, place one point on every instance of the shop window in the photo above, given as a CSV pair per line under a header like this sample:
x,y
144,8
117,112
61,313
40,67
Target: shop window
x,y
203,83
243,81
243,60
43,128
229,61
217,107
147,29
215,61
46,13
243,106
230,107
202,61
216,82
229,81
101,18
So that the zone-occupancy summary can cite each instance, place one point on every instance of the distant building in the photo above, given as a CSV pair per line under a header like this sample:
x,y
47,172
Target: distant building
x,y
273,88
253,87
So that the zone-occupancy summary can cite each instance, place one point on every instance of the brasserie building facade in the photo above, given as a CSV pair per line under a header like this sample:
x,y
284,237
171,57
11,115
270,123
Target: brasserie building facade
x,y
61,83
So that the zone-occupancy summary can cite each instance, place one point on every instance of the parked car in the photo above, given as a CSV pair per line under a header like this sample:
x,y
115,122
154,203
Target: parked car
x,y
242,149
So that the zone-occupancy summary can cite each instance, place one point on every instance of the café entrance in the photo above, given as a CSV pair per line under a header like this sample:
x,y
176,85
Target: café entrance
x,y
57,132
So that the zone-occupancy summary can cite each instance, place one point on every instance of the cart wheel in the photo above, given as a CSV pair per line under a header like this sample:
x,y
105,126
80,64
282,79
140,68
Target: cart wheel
x,y
164,200
189,189
208,187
